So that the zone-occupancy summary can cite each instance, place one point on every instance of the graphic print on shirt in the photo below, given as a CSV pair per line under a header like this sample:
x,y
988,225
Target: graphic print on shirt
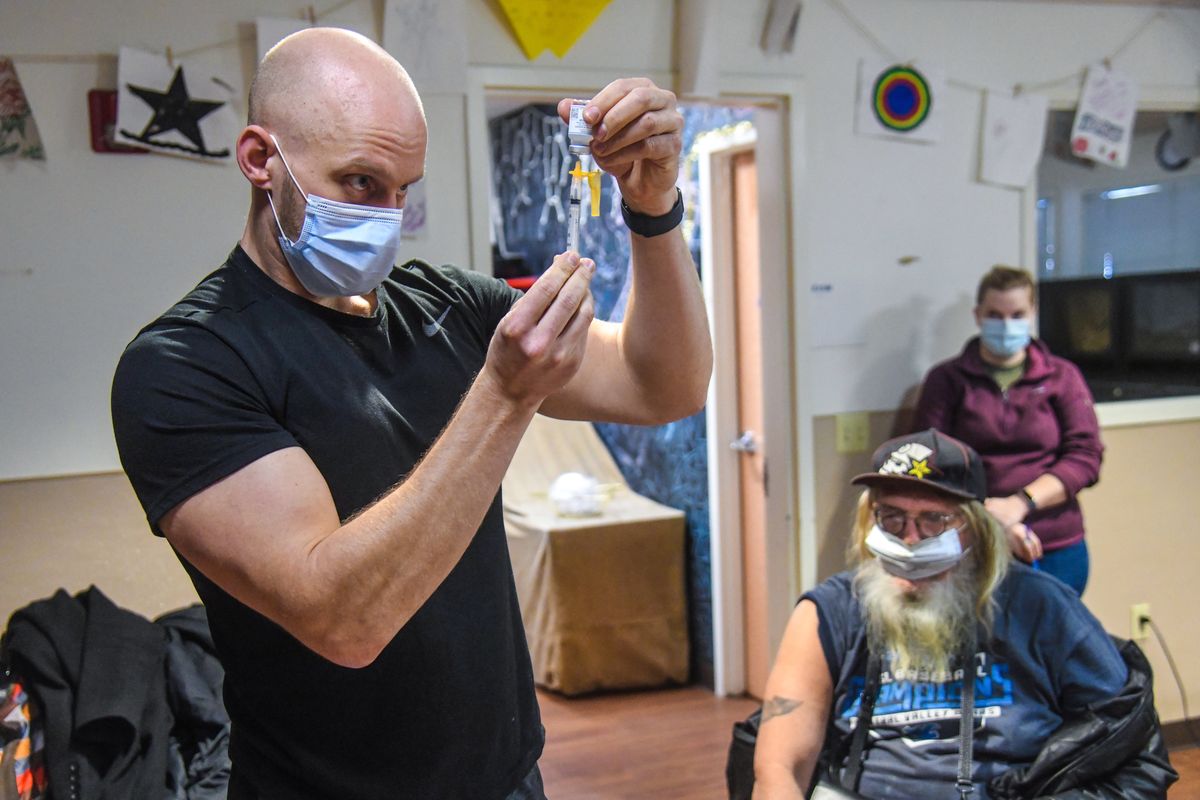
x,y
920,709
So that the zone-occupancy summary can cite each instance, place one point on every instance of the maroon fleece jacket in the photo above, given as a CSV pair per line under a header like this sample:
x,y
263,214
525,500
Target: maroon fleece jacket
x,y
1044,423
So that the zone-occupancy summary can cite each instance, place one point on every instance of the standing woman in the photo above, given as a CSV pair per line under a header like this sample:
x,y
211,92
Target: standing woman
x,y
1030,415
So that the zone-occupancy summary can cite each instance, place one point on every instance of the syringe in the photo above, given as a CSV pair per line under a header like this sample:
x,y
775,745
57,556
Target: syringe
x,y
579,135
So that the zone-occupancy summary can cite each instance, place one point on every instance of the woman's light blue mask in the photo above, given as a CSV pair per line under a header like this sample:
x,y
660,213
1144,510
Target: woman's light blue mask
x,y
1004,337
343,249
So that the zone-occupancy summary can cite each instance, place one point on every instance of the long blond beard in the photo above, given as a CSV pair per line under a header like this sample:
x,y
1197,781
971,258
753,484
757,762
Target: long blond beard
x,y
924,629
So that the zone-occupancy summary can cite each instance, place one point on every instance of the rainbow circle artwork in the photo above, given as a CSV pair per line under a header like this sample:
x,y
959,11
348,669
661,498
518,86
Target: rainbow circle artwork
x,y
901,99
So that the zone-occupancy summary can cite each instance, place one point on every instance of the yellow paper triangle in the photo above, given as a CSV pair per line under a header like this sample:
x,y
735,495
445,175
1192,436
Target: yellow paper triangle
x,y
550,24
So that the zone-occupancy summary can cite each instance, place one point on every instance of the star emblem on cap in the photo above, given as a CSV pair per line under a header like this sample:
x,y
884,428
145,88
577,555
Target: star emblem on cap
x,y
920,468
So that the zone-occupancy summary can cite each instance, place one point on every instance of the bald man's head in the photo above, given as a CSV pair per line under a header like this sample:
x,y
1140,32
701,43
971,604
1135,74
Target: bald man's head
x,y
314,81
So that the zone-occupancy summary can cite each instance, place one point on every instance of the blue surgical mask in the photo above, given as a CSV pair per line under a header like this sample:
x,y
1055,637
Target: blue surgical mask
x,y
343,249
1004,337
924,559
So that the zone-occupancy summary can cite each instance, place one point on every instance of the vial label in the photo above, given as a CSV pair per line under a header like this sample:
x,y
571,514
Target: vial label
x,y
578,131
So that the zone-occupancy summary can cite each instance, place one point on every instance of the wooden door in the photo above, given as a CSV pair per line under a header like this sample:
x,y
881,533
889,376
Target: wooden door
x,y
752,468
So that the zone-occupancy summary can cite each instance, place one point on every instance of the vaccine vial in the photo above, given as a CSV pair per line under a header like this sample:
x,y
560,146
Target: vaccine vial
x,y
579,133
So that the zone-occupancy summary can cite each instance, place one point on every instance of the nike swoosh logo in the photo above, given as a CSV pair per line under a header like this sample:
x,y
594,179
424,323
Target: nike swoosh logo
x,y
431,328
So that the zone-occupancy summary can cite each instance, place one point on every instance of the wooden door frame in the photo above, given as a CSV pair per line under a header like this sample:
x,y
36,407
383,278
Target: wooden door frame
x,y
724,529
778,439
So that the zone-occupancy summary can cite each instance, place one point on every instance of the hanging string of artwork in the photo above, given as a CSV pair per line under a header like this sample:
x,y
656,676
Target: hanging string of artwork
x,y
901,100
164,103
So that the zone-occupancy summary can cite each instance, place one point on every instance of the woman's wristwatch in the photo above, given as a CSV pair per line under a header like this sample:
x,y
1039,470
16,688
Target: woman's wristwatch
x,y
1030,503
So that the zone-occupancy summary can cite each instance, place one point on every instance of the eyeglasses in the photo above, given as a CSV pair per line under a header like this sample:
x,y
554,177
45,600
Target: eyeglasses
x,y
929,523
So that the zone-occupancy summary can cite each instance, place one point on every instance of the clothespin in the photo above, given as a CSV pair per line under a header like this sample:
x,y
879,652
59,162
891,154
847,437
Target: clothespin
x,y
1017,89
170,58
593,178
311,15
1107,62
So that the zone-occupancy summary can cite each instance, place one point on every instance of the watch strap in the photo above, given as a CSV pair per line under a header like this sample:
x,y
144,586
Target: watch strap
x,y
647,225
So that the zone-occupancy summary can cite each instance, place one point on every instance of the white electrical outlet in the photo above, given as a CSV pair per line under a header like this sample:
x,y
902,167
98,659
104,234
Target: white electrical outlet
x,y
1139,616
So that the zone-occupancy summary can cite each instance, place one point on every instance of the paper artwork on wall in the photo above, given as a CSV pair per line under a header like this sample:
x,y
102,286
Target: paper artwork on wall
x,y
269,31
899,101
19,136
415,211
1103,127
1014,133
429,38
180,110
552,25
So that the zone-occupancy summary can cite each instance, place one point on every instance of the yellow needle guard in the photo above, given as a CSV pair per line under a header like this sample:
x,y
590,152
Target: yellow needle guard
x,y
593,177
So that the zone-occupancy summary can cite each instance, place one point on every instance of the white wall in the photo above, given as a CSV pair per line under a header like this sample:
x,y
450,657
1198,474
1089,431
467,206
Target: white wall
x,y
873,201
113,240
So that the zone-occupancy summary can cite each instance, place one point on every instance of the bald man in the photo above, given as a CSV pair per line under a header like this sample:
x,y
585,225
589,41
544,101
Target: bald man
x,y
321,435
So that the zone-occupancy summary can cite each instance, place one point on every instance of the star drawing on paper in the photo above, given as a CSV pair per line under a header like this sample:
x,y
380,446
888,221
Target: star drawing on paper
x,y
920,468
174,110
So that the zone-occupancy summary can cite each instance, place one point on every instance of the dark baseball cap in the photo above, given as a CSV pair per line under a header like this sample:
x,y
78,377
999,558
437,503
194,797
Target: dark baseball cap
x,y
930,458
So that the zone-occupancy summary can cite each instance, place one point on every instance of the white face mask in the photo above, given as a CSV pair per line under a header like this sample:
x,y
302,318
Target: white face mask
x,y
925,559
343,249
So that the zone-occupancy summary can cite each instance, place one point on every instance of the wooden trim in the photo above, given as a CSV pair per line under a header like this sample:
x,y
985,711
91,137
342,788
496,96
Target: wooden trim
x,y
1177,736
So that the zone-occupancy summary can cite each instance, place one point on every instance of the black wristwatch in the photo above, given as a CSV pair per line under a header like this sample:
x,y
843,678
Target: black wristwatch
x,y
1029,501
647,225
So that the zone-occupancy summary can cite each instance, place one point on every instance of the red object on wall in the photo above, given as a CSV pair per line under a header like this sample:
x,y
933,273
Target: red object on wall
x,y
102,117
523,283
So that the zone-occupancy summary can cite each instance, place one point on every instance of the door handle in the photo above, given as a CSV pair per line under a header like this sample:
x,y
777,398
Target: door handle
x,y
745,443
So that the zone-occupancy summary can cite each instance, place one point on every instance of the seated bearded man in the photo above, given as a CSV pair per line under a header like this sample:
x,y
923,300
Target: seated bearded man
x,y
1059,710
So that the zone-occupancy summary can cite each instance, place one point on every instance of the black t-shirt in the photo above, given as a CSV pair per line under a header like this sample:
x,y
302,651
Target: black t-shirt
x,y
240,368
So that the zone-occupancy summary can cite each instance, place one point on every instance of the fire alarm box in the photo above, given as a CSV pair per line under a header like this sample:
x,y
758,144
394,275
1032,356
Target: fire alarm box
x,y
102,116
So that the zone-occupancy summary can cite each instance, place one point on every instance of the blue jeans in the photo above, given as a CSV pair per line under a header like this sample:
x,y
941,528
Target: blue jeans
x,y
1069,565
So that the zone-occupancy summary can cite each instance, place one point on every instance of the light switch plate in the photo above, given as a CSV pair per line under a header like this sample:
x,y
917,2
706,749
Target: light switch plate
x,y
853,432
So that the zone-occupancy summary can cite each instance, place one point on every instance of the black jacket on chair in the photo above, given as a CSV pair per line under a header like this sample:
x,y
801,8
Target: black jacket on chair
x,y
97,675
1114,750
198,761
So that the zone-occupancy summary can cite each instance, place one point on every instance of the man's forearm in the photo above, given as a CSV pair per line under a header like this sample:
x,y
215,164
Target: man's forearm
x,y
380,567
665,339
776,782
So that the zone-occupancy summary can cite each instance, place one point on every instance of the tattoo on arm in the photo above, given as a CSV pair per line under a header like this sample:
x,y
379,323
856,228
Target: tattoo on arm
x,y
778,707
